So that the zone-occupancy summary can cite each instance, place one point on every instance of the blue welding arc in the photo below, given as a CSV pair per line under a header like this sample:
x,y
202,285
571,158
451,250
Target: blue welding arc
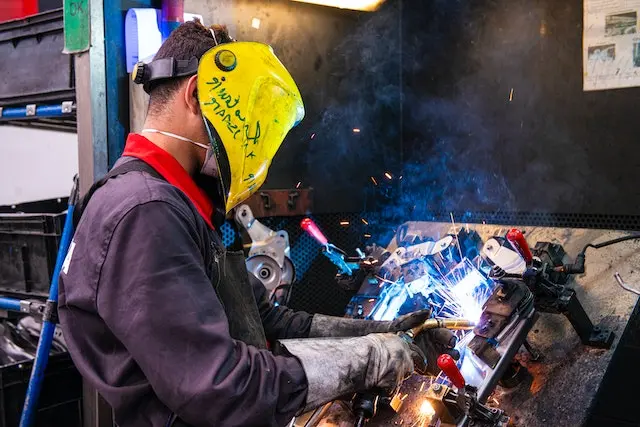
x,y
41,111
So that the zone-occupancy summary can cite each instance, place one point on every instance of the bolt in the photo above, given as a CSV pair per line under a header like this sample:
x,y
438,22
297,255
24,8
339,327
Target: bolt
x,y
436,387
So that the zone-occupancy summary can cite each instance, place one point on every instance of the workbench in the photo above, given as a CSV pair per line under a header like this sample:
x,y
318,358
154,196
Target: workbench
x,y
563,384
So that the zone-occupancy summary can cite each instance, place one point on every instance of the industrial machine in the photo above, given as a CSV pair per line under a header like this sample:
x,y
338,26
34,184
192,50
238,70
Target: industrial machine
x,y
498,285
269,255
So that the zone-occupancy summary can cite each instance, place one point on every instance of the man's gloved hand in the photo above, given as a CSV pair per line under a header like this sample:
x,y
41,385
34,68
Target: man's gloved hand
x,y
433,343
331,326
335,367
410,320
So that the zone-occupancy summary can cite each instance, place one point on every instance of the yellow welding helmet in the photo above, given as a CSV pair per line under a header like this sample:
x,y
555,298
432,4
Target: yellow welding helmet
x,y
249,103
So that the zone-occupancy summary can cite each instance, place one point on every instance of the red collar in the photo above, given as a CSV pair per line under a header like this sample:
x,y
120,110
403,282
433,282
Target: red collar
x,y
166,165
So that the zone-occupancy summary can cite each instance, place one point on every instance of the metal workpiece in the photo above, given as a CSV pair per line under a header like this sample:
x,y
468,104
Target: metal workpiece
x,y
463,405
268,256
538,347
264,240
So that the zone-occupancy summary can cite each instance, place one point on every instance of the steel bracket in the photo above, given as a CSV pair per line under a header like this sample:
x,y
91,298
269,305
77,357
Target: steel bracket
x,y
293,196
266,200
67,107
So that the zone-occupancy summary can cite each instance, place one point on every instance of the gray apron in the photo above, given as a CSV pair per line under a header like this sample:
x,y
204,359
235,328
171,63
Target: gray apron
x,y
228,273
229,277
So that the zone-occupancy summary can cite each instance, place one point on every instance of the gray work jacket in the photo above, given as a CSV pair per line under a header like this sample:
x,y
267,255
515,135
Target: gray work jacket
x,y
145,327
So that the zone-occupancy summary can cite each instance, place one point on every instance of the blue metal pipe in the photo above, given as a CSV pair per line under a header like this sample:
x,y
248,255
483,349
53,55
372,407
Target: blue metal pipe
x,y
9,304
49,326
41,111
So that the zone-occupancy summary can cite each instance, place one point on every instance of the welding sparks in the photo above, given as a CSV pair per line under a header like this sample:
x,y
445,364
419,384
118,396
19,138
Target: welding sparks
x,y
422,385
364,221
511,95
344,223
374,181
367,236
356,130
426,409
425,414
388,175
313,135
299,184
404,397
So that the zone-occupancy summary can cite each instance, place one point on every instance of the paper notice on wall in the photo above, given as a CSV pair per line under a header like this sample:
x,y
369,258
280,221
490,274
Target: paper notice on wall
x,y
611,44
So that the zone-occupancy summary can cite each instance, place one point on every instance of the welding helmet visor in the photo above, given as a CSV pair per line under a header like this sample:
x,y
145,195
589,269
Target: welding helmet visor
x,y
249,102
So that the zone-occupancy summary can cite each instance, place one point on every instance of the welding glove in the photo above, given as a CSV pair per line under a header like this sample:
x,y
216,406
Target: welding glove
x,y
433,343
335,367
331,326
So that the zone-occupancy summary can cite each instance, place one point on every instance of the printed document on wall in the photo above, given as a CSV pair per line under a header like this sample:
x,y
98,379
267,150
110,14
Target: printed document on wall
x,y
611,44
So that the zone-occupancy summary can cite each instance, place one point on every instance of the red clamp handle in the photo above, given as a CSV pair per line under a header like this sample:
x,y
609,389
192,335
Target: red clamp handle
x,y
516,238
310,227
450,369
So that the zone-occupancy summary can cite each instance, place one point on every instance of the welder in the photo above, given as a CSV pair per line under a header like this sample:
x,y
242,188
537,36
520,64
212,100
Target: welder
x,y
165,323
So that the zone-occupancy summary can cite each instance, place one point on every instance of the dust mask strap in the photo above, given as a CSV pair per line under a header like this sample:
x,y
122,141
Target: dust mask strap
x,y
213,33
173,135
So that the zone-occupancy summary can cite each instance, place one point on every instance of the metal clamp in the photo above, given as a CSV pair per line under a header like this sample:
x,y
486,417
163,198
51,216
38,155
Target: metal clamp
x,y
266,199
623,285
25,306
50,313
32,307
31,110
67,107
293,195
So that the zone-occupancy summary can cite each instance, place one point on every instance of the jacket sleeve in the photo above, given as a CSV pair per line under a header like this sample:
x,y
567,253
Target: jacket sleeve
x,y
155,296
279,322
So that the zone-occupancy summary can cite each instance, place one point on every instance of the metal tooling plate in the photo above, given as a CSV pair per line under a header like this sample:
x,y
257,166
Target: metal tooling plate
x,y
563,385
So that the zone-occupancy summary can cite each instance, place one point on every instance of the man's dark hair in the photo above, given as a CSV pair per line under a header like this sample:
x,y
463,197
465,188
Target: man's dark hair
x,y
191,39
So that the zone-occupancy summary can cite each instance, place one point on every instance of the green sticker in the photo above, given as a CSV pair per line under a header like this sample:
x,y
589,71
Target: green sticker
x,y
77,36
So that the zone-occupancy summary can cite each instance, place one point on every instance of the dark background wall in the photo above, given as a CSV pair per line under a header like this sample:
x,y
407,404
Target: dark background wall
x,y
428,83
551,148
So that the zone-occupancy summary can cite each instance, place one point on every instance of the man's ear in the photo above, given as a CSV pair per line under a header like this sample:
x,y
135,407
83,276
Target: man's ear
x,y
191,95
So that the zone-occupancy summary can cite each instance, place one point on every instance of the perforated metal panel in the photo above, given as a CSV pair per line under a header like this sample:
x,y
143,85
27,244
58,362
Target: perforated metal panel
x,y
542,219
315,289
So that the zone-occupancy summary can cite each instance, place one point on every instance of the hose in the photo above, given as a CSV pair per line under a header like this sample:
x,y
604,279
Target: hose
x,y
578,265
